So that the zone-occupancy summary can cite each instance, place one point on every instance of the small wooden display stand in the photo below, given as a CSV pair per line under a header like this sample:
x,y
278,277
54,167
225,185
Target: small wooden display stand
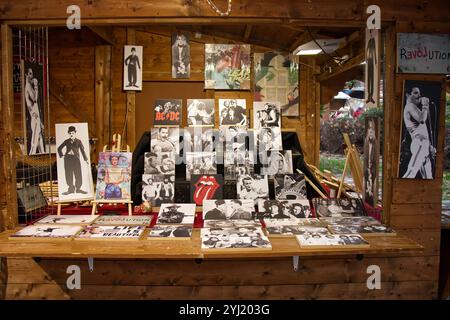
x,y
352,160
78,201
116,147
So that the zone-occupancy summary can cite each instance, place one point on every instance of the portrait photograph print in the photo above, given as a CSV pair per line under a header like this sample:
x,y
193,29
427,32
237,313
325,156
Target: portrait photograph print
x,y
227,66
165,139
181,56
371,154
157,189
132,68
276,79
73,162
159,163
200,112
266,114
113,178
372,68
276,162
198,139
200,163
167,232
232,112
266,139
33,107
420,124
228,209
252,187
167,112
290,186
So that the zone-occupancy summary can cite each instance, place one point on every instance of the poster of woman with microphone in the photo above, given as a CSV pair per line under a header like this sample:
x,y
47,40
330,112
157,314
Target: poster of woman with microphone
x,y
420,124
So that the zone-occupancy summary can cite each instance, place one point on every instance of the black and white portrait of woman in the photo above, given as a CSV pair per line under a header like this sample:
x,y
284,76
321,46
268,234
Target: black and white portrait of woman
x,y
181,56
420,123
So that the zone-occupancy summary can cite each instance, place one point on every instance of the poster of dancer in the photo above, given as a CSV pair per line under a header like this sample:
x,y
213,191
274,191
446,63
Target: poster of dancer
x,y
132,68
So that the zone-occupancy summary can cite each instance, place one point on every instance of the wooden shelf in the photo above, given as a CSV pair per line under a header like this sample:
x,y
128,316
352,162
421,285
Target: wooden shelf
x,y
189,249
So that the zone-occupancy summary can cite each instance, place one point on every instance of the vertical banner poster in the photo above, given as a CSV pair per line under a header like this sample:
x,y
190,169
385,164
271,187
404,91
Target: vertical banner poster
x,y
420,124
33,107
132,68
372,72
371,156
181,56
73,162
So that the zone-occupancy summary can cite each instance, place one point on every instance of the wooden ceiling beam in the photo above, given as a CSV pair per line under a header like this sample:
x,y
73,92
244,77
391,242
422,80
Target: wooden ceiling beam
x,y
106,33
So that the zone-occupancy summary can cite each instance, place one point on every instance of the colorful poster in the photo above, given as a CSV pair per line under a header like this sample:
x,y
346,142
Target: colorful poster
x,y
113,178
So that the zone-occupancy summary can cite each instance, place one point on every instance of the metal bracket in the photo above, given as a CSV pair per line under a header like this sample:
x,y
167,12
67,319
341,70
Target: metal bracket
x,y
295,260
91,264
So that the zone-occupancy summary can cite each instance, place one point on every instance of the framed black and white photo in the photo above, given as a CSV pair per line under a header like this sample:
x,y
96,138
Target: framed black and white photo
x,y
132,68
181,56
167,112
33,107
283,209
157,189
200,163
276,162
232,112
252,187
165,139
372,68
228,209
73,162
371,154
338,207
200,112
31,198
419,130
162,163
290,186
266,114
198,139
176,213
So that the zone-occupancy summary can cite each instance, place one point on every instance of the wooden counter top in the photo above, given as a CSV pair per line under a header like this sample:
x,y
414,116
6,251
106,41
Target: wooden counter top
x,y
190,249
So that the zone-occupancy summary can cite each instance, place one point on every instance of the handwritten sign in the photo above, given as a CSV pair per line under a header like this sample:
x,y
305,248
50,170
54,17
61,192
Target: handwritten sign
x,y
423,53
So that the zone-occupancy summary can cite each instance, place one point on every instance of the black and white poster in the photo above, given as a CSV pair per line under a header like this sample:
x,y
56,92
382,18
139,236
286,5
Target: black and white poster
x,y
200,112
276,162
167,112
232,112
168,232
181,56
177,213
252,187
268,139
420,124
290,186
228,209
198,139
200,163
73,162
165,139
371,151
33,107
266,114
157,189
159,163
372,72
132,68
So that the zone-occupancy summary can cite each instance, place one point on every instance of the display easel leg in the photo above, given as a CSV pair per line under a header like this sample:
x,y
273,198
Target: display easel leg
x,y
130,209
58,210
94,208
341,185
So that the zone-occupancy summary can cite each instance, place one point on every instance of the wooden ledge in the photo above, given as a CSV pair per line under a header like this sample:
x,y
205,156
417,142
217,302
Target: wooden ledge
x,y
190,249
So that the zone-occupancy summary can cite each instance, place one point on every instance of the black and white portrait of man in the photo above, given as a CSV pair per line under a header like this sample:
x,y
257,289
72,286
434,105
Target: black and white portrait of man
x,y
73,162
266,114
371,148
372,68
132,68
181,56
33,101
200,112
419,129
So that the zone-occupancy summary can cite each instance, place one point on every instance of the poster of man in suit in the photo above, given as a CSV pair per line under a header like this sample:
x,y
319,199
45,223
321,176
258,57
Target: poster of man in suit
x,y
33,107
371,152
73,162
372,71
181,56
132,68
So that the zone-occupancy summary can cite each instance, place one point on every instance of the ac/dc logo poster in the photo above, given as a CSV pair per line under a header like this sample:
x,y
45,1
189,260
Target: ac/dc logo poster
x,y
206,187
167,112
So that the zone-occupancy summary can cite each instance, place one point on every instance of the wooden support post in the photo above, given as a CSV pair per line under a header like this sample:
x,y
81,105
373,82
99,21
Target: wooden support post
x,y
131,100
8,174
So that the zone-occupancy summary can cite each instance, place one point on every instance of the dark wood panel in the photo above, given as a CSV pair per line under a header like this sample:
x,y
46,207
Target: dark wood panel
x,y
408,191
431,221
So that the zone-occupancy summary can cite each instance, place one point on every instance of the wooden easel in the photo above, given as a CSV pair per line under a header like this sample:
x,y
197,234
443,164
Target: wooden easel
x,y
116,147
313,185
352,160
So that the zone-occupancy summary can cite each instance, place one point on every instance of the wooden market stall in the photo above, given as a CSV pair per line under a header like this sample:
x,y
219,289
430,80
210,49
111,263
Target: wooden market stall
x,y
85,72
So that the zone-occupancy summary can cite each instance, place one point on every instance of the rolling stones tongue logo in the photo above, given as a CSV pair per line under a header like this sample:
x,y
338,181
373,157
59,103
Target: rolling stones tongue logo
x,y
205,188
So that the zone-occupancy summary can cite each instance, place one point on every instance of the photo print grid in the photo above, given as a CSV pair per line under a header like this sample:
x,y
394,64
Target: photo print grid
x,y
200,112
73,162
167,112
157,189
232,112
